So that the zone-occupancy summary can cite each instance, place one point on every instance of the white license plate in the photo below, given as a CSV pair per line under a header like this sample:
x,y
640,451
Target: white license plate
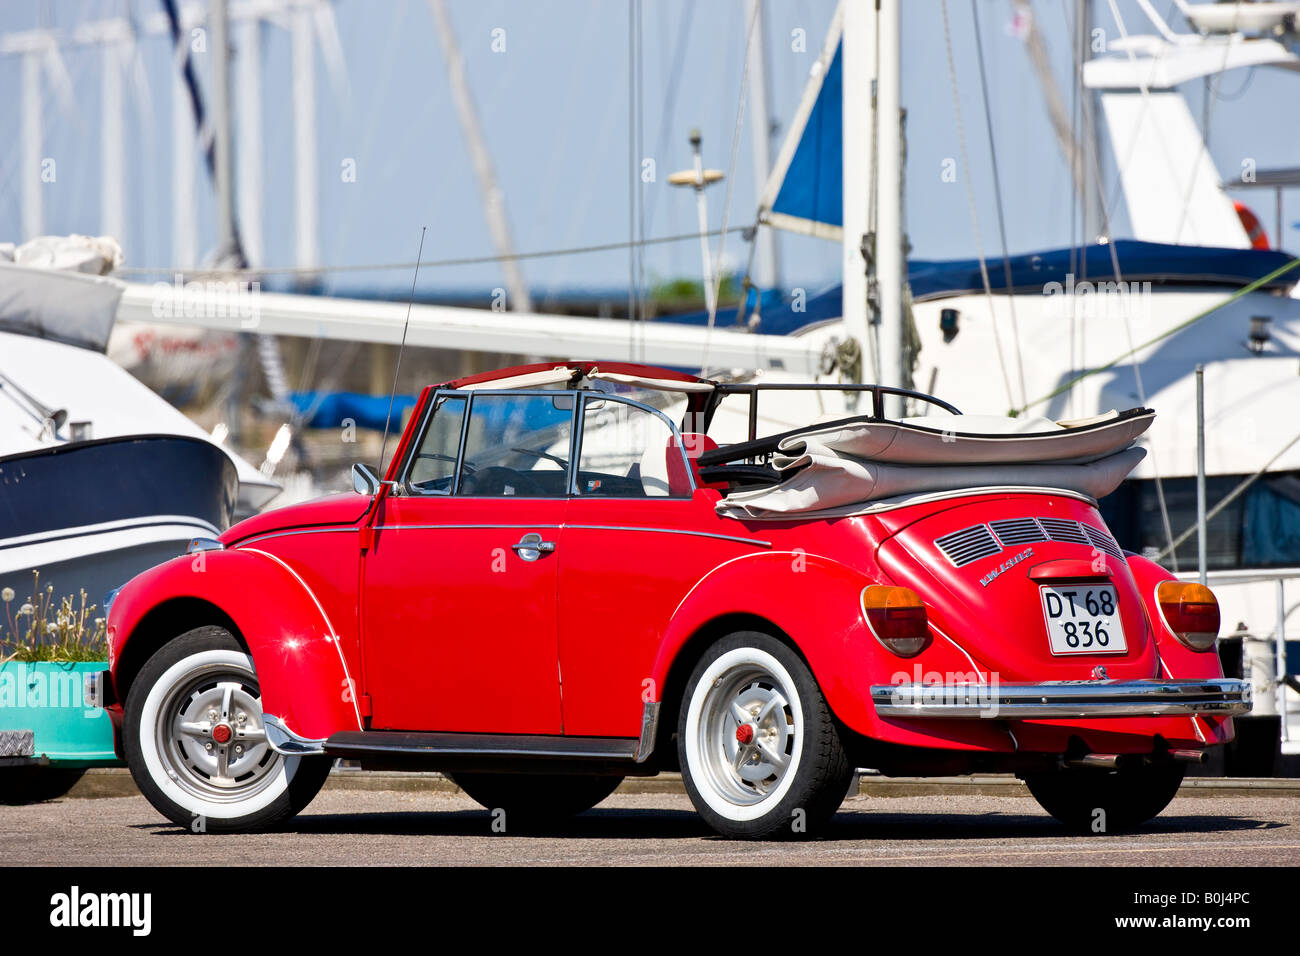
x,y
1083,619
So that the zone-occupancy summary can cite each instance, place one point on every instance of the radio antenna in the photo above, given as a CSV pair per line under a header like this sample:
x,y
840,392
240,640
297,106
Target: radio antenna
x,y
383,448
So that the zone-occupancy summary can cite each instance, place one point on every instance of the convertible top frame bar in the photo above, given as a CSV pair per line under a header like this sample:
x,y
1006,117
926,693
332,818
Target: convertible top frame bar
x,y
756,446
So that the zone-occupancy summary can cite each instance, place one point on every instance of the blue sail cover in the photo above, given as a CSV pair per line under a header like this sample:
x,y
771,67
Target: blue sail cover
x,y
334,409
1155,262
814,182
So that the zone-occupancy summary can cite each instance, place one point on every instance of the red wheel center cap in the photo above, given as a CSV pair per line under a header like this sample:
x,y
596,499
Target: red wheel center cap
x,y
222,733
745,733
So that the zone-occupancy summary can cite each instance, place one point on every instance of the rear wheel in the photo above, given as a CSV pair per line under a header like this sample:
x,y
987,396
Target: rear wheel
x,y
1106,801
536,797
196,744
759,750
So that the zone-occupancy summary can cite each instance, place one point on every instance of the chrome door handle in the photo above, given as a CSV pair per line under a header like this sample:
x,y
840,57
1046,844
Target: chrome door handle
x,y
531,547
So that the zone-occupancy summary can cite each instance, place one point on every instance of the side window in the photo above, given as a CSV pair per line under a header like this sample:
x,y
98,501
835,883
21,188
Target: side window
x,y
517,446
434,465
629,452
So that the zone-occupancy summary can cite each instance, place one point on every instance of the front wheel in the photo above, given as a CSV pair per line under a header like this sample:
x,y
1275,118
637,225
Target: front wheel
x,y
759,750
196,743
1100,801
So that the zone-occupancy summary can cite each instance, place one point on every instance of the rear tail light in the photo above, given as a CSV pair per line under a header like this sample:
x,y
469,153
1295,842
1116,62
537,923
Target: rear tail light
x,y
1190,612
896,617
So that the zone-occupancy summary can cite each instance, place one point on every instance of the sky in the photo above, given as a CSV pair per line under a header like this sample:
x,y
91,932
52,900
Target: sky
x,y
550,79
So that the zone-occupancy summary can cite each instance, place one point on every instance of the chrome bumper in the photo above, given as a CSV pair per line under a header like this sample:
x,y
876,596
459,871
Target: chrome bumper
x,y
1217,697
284,741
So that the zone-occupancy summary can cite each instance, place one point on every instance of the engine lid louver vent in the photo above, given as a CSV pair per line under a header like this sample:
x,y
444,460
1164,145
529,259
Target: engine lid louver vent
x,y
967,545
978,541
1102,541
1013,531
1060,529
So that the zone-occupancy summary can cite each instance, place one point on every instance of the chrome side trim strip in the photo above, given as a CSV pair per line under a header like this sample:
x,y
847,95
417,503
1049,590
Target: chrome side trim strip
x,y
1222,697
466,527
577,527
649,727
695,534
284,741
293,531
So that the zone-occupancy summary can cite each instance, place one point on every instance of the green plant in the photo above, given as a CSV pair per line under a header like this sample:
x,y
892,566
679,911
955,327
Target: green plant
x,y
679,293
46,628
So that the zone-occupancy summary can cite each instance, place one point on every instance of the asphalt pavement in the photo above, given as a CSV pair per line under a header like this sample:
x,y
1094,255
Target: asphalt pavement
x,y
438,826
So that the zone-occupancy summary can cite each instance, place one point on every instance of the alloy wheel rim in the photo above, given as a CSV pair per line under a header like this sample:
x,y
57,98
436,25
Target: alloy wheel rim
x,y
210,735
748,734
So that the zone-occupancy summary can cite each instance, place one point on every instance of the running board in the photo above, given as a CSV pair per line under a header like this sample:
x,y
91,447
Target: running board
x,y
500,752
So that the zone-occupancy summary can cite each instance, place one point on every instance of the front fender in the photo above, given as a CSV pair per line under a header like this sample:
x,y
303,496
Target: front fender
x,y
816,602
301,669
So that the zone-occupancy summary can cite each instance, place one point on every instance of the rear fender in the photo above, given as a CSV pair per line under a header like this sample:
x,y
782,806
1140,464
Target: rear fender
x,y
301,671
1177,659
816,603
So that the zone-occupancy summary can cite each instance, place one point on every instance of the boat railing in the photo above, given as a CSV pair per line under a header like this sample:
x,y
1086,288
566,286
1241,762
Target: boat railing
x,y
1279,577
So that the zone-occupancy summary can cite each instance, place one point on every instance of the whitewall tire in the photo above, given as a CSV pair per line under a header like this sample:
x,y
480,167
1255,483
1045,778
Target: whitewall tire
x,y
759,750
196,743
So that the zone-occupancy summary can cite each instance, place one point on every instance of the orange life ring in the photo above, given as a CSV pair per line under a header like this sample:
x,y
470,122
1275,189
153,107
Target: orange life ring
x,y
1250,222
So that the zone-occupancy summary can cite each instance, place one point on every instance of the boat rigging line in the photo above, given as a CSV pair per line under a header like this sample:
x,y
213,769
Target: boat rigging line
x,y
1244,290
436,263
997,197
970,196
1227,499
736,129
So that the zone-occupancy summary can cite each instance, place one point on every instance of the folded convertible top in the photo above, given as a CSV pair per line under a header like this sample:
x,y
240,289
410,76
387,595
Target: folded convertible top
x,y
976,439
835,466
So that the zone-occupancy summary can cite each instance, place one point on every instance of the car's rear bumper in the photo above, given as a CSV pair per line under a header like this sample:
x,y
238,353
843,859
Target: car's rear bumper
x,y
1216,697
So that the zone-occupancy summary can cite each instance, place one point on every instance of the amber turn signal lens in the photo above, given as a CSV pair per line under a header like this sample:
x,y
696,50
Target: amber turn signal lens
x,y
896,617
1191,612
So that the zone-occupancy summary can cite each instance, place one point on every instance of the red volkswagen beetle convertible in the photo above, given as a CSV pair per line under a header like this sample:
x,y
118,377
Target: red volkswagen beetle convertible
x,y
571,574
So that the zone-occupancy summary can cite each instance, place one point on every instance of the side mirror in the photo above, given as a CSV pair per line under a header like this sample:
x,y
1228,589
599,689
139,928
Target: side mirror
x,y
364,480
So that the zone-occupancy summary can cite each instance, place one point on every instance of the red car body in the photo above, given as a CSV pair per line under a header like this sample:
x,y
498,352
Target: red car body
x,y
410,619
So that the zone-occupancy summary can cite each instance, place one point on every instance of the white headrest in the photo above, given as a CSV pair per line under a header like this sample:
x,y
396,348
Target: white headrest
x,y
654,472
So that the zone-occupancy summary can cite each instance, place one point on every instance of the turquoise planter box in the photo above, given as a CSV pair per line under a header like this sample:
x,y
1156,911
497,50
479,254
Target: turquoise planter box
x,y
49,699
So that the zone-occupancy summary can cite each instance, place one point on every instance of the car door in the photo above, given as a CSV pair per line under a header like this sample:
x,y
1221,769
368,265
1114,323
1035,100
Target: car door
x,y
459,595
637,536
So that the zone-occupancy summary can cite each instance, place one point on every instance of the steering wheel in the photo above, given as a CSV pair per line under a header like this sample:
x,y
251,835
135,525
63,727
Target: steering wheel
x,y
536,453
491,482
439,456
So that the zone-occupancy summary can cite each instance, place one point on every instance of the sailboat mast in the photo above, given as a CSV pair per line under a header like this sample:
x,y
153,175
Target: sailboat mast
x,y
871,49
766,265
228,248
858,59
493,198
890,267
